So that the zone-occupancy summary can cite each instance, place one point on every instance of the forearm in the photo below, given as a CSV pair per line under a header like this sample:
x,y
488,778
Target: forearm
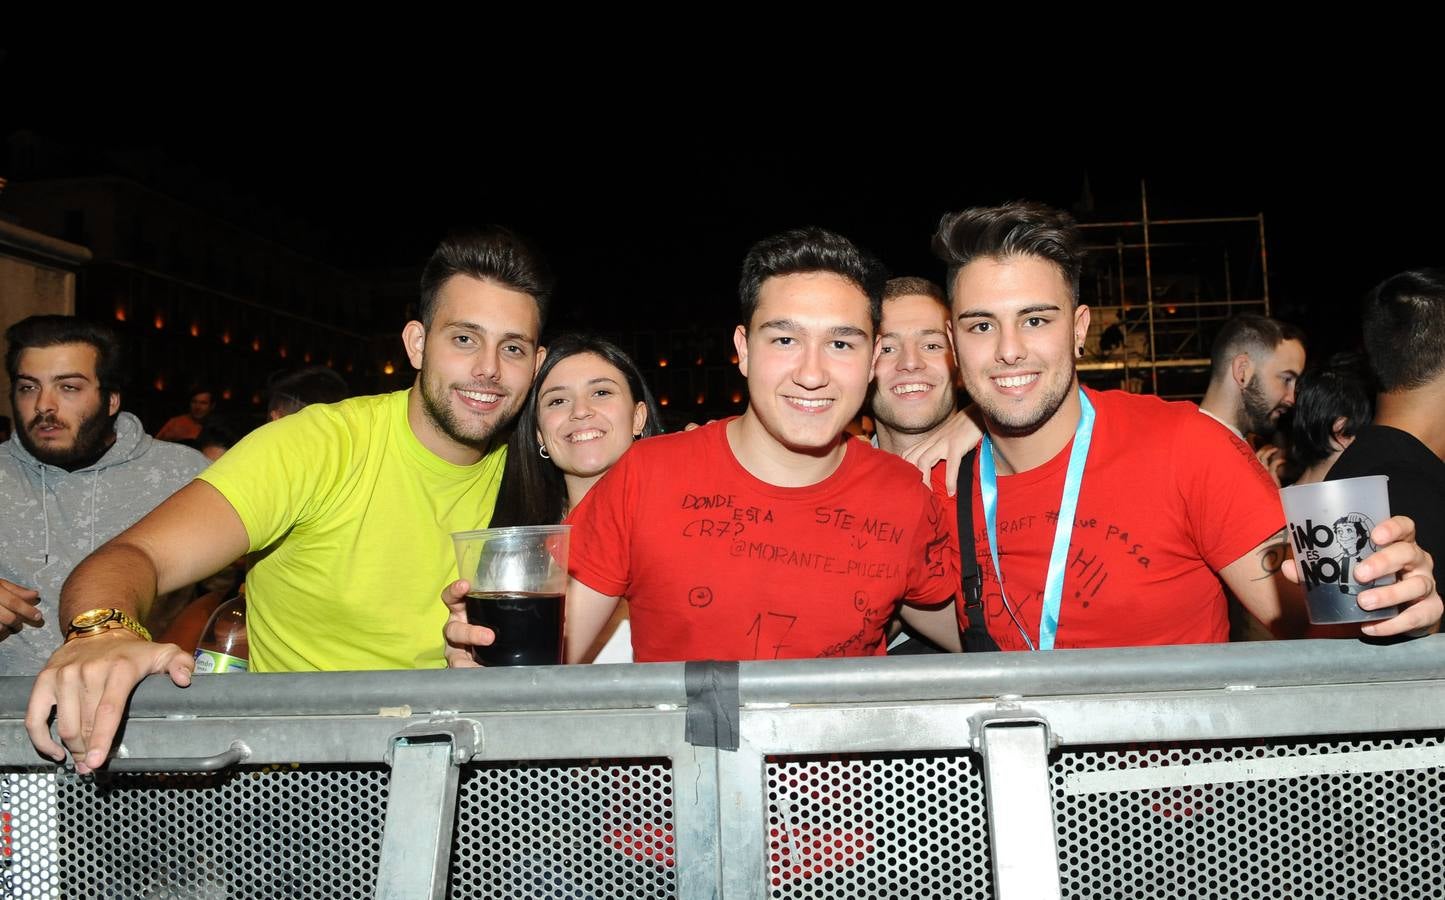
x,y
587,613
939,624
192,535
118,575
1257,579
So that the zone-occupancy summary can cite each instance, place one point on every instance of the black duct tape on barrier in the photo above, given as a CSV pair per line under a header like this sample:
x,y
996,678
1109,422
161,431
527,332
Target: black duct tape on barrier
x,y
712,704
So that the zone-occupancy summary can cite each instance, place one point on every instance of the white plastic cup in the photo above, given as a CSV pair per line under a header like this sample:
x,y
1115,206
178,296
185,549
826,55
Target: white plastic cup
x,y
1329,531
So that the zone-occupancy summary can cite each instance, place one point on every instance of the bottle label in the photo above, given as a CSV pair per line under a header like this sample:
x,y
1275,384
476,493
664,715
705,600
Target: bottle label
x,y
214,662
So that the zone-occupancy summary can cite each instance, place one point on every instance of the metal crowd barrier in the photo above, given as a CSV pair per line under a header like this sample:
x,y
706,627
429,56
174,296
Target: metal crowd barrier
x,y
1302,769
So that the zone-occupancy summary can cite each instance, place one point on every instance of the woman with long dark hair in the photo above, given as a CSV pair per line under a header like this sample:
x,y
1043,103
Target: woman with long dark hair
x,y
587,405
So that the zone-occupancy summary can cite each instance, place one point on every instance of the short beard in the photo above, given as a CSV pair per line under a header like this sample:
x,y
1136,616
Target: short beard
x,y
443,418
944,410
1254,418
1022,429
93,438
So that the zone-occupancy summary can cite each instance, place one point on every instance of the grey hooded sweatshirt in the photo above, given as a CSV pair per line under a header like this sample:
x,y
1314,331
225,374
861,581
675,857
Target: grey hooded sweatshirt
x,y
51,519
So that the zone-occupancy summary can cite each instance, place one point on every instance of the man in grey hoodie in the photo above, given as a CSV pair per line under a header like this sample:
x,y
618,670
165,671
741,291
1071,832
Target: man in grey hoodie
x,y
77,472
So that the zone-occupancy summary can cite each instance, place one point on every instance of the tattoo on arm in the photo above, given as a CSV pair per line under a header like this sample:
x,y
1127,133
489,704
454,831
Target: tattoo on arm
x,y
1272,556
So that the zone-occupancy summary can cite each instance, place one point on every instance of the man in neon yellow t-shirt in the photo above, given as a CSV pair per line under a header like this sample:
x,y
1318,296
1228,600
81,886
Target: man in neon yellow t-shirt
x,y
351,502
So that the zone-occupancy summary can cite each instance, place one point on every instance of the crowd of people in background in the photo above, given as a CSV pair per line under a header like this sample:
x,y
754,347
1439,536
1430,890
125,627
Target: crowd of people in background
x,y
773,534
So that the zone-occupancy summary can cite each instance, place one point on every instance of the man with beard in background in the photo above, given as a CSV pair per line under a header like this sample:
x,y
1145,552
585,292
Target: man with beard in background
x,y
1253,367
77,472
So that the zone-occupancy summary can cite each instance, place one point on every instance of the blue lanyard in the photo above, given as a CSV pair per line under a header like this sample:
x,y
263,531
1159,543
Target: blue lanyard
x,y
1059,557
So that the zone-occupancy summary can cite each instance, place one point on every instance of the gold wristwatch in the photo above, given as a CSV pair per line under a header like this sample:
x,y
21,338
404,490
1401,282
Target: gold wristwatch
x,y
95,621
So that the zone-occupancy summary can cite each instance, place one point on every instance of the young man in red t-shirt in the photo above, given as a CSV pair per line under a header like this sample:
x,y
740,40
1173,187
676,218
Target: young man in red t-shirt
x,y
1156,508
772,535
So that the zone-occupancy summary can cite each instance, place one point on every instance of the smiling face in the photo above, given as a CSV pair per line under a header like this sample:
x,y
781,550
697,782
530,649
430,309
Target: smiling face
x,y
1350,535
61,414
586,415
477,361
913,390
1015,330
807,355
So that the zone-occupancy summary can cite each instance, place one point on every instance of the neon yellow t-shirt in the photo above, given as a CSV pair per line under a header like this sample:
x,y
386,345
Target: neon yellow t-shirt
x,y
356,515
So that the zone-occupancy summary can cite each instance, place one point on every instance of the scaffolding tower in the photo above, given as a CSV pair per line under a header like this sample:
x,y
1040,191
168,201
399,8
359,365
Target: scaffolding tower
x,y
1158,292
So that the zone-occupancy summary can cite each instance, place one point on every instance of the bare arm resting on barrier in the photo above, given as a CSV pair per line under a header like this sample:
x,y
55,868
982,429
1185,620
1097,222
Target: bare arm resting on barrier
x,y
1266,581
88,681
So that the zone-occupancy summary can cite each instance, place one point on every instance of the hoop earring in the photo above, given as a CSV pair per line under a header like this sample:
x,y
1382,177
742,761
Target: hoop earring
x,y
542,451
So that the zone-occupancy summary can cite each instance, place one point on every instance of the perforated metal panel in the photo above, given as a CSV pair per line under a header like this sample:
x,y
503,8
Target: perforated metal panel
x,y
249,833
586,831
28,863
1336,834
873,826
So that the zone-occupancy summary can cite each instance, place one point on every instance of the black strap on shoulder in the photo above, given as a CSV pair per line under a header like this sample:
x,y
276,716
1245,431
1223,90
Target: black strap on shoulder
x,y
976,638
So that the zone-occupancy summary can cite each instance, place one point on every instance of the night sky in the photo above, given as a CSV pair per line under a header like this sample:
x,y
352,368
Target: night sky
x,y
646,191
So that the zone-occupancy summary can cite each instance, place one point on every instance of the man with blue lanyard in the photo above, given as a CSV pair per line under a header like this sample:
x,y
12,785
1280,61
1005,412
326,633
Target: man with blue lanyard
x,y
1105,518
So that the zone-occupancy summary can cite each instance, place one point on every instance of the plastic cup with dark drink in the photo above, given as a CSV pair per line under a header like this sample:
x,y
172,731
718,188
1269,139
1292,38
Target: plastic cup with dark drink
x,y
518,580
1329,525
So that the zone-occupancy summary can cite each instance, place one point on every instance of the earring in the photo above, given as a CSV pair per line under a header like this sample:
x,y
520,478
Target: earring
x,y
542,451
1079,351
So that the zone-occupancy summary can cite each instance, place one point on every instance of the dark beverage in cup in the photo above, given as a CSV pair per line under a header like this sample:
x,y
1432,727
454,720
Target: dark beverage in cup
x,y
528,627
518,578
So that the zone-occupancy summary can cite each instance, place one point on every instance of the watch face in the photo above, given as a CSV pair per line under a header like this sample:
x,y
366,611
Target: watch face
x,y
92,618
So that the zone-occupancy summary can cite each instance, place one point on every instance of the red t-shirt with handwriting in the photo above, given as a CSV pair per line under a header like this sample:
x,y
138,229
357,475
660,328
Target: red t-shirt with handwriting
x,y
1168,499
716,564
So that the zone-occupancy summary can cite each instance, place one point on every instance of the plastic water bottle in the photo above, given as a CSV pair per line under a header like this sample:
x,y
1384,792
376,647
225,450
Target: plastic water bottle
x,y
222,647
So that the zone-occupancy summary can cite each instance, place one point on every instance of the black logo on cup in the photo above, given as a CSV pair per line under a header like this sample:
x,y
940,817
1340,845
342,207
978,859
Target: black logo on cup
x,y
1328,553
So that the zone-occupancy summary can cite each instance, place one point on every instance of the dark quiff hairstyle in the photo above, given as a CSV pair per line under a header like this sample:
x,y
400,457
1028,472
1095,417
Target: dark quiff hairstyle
x,y
534,491
52,331
1404,329
1020,228
1321,396
806,250
488,253
1255,335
